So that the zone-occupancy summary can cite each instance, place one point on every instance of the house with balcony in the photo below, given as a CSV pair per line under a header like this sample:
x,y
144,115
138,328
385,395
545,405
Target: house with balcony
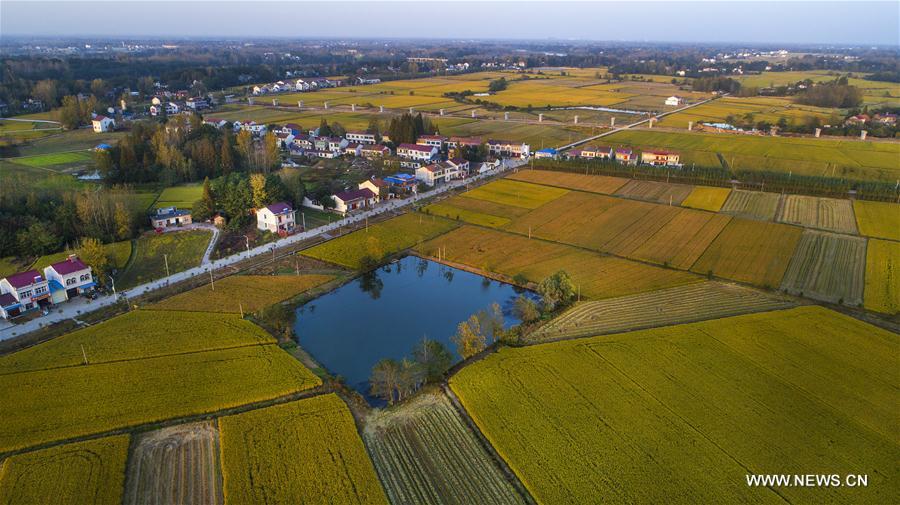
x,y
277,218
417,152
360,137
23,292
69,278
508,149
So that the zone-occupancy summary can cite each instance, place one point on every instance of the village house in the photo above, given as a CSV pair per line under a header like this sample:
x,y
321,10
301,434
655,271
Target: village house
x,y
375,151
624,155
402,183
431,140
454,142
461,165
277,218
170,216
381,188
675,101
337,144
547,152
292,128
886,118
103,124
859,119
508,149
284,139
353,149
347,201
360,137
318,153
196,103
23,292
363,81
304,141
417,152
658,157
443,171
215,122
71,277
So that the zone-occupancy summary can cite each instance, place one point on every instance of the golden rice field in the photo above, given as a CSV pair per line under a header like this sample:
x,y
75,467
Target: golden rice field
x,y
769,109
823,213
242,292
678,305
751,251
426,454
601,419
878,219
706,198
51,405
592,183
176,464
137,335
516,194
752,204
451,210
882,291
682,240
380,240
651,191
827,267
88,473
306,451
595,276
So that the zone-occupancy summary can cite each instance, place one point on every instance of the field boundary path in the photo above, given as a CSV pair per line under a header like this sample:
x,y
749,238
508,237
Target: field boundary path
x,y
207,254
82,306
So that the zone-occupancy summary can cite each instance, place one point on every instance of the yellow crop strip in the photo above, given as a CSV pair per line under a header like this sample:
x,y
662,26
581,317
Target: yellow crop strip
x,y
89,473
705,198
600,419
882,291
306,451
451,211
878,219
517,194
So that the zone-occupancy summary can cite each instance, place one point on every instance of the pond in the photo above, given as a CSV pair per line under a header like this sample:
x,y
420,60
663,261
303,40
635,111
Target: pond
x,y
384,313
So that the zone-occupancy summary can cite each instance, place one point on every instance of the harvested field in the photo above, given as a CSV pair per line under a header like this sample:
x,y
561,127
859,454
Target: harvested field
x,y
178,464
250,292
751,251
591,183
683,304
883,276
827,267
51,405
91,472
659,192
306,451
878,219
701,403
508,254
362,247
828,214
450,211
681,241
517,194
425,454
136,335
705,198
752,204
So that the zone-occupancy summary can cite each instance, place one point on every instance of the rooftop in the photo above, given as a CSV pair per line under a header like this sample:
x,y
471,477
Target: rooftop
x,y
70,265
24,279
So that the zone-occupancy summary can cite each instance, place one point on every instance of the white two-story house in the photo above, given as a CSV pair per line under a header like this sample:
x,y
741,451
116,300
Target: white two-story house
x,y
72,275
23,292
276,218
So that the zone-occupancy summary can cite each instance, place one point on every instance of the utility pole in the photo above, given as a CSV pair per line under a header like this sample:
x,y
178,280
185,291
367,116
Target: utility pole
x,y
84,354
247,242
303,218
166,259
212,284
241,308
113,282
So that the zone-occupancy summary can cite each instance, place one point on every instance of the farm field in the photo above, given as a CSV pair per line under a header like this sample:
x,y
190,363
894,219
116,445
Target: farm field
x,y
250,292
516,194
678,305
752,204
595,276
459,213
878,219
651,191
37,179
828,267
137,335
75,140
823,213
706,198
320,457
91,472
424,453
380,240
769,109
592,183
882,291
57,404
682,240
750,251
604,417
182,196
484,207
853,159
184,250
57,161
176,464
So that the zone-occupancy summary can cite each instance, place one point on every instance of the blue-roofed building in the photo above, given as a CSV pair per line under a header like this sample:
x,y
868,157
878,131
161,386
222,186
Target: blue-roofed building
x,y
170,216
402,182
548,152
102,147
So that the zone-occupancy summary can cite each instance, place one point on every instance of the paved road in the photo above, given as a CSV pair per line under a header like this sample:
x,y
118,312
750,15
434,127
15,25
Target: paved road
x,y
200,226
81,306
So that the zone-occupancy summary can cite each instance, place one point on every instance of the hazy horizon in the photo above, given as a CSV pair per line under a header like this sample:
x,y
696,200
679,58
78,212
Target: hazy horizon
x,y
831,23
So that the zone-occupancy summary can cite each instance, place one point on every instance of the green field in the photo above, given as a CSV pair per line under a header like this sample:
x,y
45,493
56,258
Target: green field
x,y
118,252
516,194
369,246
182,197
878,219
875,161
57,161
300,452
89,473
702,404
182,249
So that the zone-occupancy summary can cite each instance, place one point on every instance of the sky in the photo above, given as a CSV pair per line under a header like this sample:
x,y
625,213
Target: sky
x,y
800,22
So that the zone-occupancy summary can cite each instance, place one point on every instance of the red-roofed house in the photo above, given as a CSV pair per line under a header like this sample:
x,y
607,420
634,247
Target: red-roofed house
x,y
277,218
354,199
508,149
103,124
71,277
659,157
431,140
375,151
417,152
27,291
624,155
378,186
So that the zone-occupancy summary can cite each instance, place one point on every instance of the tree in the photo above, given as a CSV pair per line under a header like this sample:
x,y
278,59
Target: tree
x,y
338,129
491,321
47,91
38,239
92,252
260,197
104,163
468,339
498,85
70,113
434,358
384,379
324,129
557,290
409,378
226,158
123,222
245,147
525,309
271,152
98,87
